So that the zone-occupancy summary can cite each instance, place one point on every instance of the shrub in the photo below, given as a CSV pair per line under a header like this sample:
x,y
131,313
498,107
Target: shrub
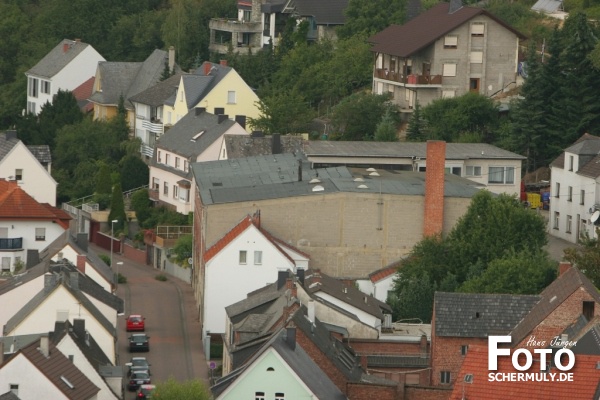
x,y
161,277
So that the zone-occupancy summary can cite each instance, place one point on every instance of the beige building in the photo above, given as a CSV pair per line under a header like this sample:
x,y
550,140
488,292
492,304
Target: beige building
x,y
350,221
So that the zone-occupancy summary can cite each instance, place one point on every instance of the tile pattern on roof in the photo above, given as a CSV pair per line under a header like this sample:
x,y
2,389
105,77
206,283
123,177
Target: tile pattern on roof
x,y
384,272
479,315
249,146
156,95
585,380
423,30
324,12
559,162
552,297
57,365
58,58
41,153
83,92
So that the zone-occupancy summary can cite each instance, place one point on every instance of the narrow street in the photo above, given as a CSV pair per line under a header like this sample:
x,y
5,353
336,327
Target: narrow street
x,y
169,308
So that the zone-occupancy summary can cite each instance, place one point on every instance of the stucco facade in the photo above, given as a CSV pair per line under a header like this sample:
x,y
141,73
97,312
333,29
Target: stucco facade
x,y
31,382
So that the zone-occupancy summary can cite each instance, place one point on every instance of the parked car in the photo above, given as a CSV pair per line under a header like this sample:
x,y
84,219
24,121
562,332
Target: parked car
x,y
139,342
145,392
136,322
137,379
137,364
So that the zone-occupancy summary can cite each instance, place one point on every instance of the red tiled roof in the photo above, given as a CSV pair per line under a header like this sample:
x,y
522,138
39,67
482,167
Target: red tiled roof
x,y
83,92
583,386
382,273
16,204
420,32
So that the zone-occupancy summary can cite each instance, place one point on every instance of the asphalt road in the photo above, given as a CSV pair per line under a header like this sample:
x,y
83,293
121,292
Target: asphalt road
x,y
171,323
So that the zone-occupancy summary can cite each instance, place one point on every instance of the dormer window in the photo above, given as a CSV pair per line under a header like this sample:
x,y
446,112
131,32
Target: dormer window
x,y
571,162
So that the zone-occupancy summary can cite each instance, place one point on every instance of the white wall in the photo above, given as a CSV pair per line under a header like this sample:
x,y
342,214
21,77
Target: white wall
x,y
228,281
70,254
37,181
33,384
212,153
364,317
68,347
26,230
43,319
13,300
572,208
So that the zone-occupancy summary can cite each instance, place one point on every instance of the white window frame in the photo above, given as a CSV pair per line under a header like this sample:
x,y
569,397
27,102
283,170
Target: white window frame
x,y
33,87
450,41
231,97
257,257
45,87
569,223
166,188
570,194
184,194
508,175
473,170
556,220
582,197
243,257
477,57
445,377
18,174
477,29
449,69
40,234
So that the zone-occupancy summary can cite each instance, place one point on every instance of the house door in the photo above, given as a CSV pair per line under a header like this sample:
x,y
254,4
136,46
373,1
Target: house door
x,y
426,69
474,85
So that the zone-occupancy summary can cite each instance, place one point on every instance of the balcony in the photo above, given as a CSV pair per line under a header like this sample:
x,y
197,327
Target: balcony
x,y
166,236
223,48
147,150
234,25
11,244
412,80
155,126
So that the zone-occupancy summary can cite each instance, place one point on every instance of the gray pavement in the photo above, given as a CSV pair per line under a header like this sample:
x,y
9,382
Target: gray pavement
x,y
194,366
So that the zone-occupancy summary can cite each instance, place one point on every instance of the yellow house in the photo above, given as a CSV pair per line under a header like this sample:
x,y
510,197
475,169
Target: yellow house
x,y
116,79
216,88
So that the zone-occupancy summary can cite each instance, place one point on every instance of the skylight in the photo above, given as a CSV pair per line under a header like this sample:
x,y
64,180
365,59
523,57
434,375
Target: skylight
x,y
197,136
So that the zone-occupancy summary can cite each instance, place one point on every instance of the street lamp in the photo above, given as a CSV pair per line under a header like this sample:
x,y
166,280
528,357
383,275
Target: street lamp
x,y
112,233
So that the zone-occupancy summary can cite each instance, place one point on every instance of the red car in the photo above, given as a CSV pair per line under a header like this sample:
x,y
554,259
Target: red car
x,y
135,322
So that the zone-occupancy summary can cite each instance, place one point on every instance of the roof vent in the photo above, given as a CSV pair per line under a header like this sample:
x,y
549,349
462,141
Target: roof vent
x,y
362,187
469,378
552,299
359,180
371,170
66,381
314,180
318,188
196,136
374,173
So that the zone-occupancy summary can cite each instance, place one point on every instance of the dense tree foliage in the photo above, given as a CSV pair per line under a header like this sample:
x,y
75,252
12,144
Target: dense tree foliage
x,y
188,390
386,130
117,209
356,117
586,257
495,232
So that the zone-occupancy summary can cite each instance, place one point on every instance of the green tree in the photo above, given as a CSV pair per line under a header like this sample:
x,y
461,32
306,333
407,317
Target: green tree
x,y
103,182
140,203
586,257
386,130
187,390
117,210
134,172
283,112
356,116
517,273
183,249
371,16
414,298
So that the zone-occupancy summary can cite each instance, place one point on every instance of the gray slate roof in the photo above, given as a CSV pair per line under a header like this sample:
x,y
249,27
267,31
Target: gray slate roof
x,y
329,12
276,176
548,6
249,146
298,360
42,153
179,139
479,315
156,95
454,151
349,294
199,84
129,78
9,396
57,58
6,145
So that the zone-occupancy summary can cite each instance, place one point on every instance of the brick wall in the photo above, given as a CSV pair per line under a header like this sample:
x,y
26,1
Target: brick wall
x,y
358,391
134,254
382,347
558,320
434,188
421,393
446,356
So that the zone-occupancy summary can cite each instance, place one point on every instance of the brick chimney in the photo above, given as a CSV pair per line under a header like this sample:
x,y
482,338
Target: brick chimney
x,y
171,58
256,218
223,63
433,221
563,267
207,67
81,260
65,47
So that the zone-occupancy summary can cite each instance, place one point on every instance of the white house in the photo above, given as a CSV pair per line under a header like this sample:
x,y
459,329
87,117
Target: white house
x,y
65,67
30,166
26,226
61,300
197,137
41,371
280,370
575,190
379,283
246,259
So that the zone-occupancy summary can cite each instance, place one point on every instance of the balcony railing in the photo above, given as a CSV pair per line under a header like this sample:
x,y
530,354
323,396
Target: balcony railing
x,y
153,126
412,79
11,243
234,25
223,48
147,150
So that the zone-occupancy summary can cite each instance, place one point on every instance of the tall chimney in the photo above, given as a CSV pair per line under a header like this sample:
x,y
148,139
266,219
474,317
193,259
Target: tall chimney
x,y
311,310
300,275
291,336
81,260
79,327
45,345
222,118
275,143
207,67
82,241
433,222
171,58
65,47
223,63
281,278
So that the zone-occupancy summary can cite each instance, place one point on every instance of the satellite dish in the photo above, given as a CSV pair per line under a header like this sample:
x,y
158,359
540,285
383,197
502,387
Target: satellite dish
x,y
190,260
595,217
